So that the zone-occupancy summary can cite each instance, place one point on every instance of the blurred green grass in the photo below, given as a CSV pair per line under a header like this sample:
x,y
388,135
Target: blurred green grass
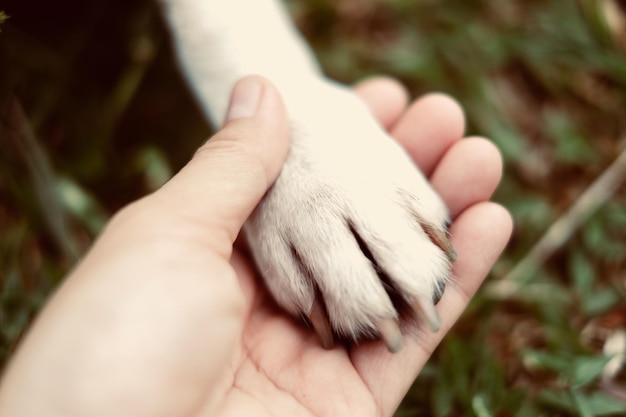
x,y
94,114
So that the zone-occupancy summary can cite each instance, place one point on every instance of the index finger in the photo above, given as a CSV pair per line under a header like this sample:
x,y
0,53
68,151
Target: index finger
x,y
479,235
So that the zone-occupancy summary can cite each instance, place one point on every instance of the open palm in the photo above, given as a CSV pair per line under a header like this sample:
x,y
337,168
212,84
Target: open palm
x,y
165,319
280,368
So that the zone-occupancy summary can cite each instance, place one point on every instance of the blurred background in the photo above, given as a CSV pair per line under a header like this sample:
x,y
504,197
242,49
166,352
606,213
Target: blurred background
x,y
94,114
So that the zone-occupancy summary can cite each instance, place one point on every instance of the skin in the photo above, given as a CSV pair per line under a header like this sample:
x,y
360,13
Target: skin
x,y
165,317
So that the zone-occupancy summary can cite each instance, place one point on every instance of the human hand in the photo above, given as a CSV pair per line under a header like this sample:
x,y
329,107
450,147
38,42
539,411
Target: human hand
x,y
164,318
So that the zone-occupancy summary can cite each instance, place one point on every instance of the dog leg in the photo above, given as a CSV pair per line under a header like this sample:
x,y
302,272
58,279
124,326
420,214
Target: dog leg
x,y
351,236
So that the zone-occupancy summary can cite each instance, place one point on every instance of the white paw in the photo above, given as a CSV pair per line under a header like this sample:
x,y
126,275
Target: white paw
x,y
351,236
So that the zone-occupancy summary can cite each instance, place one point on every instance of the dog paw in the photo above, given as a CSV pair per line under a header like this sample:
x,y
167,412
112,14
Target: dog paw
x,y
351,237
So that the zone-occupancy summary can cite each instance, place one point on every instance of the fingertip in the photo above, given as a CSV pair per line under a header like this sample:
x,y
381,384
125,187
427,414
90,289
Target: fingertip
x,y
469,172
386,97
487,153
445,104
429,127
479,234
256,106
506,221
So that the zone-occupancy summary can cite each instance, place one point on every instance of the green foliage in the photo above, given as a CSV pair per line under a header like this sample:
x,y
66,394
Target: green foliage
x,y
592,301
581,404
544,79
576,371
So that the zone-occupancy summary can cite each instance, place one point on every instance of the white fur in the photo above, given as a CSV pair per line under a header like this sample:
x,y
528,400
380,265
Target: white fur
x,y
343,171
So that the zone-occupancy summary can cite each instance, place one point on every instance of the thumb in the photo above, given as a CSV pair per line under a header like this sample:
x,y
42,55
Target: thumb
x,y
227,177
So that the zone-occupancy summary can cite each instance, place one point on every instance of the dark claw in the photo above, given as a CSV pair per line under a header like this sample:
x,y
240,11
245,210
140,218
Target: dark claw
x,y
427,311
321,324
439,238
438,293
390,333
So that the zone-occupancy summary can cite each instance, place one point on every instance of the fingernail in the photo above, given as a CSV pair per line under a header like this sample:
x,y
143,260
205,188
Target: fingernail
x,y
245,99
